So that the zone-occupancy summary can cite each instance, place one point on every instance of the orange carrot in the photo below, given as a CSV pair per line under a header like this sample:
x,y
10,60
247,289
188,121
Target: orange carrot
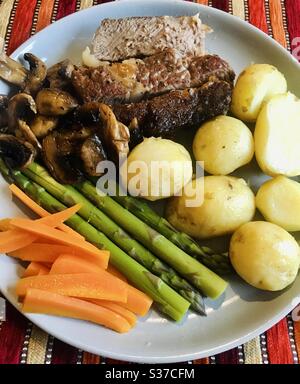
x,y
26,200
67,263
35,269
48,253
47,232
5,225
39,301
129,316
137,301
58,218
15,239
87,285
114,271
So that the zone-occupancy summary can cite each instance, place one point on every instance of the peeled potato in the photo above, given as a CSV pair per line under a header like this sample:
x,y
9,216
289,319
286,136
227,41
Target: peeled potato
x,y
265,255
255,85
277,136
223,144
227,203
157,168
279,202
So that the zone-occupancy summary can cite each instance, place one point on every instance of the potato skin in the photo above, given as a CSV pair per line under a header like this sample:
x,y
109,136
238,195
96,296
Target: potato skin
x,y
264,255
278,200
224,144
255,85
228,203
277,135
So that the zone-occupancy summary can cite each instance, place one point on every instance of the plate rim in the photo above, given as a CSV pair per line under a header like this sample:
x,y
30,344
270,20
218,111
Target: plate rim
x,y
188,356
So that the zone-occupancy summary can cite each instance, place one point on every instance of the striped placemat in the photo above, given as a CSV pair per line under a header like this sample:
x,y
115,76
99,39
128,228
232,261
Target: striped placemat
x,y
23,343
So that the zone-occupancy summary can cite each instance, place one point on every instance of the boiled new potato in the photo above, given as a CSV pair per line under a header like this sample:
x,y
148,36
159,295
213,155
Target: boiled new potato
x,y
255,85
265,255
279,202
227,202
157,168
224,144
277,136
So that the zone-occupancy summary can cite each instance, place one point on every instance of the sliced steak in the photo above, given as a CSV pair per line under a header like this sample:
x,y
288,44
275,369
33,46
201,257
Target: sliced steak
x,y
135,79
163,115
119,39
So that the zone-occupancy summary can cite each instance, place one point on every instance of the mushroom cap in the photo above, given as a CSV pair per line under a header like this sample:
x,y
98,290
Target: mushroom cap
x,y
16,152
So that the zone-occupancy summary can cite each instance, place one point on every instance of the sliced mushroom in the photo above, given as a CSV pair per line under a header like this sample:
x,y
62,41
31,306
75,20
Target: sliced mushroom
x,y
21,109
3,111
92,153
116,135
29,81
36,75
136,135
59,75
16,153
60,166
55,102
70,140
42,125
88,113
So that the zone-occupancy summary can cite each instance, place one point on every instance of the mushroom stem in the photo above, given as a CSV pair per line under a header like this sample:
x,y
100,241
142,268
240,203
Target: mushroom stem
x,y
12,71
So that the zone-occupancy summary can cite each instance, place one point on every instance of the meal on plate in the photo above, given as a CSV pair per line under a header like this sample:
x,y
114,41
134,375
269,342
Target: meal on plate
x,y
143,84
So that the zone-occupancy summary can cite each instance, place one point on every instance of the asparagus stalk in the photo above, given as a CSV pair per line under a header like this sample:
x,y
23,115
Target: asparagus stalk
x,y
168,301
201,277
218,262
99,220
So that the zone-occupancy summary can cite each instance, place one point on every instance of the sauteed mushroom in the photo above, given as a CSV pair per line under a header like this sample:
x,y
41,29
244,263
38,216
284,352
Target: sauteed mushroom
x,y
92,153
3,111
59,75
29,81
21,109
55,102
42,125
116,135
16,152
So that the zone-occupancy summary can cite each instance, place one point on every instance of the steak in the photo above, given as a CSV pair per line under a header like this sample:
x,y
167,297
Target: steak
x,y
163,115
135,79
119,39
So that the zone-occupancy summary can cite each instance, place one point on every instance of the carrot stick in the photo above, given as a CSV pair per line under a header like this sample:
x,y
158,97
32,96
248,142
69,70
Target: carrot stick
x,y
38,301
5,225
35,269
26,200
87,285
129,316
15,239
58,218
47,232
48,253
114,271
137,301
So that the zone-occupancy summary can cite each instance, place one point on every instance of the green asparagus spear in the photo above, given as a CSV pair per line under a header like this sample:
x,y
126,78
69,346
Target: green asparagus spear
x,y
168,301
200,276
99,220
218,262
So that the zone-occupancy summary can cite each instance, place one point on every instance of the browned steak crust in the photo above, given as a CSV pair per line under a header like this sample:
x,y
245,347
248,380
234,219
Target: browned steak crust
x,y
134,79
163,115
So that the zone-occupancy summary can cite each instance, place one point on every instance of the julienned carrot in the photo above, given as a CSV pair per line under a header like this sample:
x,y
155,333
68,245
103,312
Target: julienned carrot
x,y
86,285
26,200
67,263
58,218
137,301
47,232
35,269
15,239
114,271
48,253
39,301
128,315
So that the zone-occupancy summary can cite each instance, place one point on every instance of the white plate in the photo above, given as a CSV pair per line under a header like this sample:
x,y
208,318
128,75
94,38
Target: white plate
x,y
244,312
